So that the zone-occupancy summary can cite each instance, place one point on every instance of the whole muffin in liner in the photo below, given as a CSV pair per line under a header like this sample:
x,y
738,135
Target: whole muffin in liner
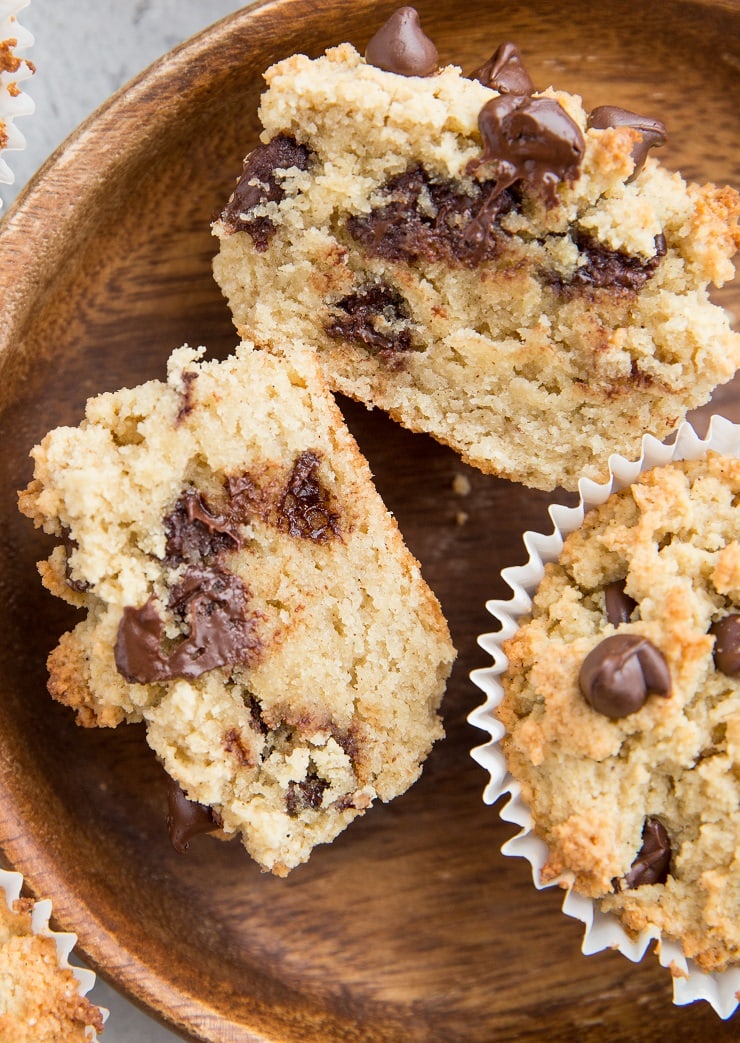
x,y
13,71
42,996
602,929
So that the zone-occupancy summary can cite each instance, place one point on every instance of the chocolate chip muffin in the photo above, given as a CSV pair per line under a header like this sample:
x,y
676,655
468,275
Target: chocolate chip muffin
x,y
621,708
247,596
40,999
490,263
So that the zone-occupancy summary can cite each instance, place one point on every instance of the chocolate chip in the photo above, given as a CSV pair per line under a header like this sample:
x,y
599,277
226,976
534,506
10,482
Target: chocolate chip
x,y
213,603
81,586
245,497
376,317
221,632
305,508
603,268
187,818
196,532
620,672
261,183
654,859
234,744
186,396
256,719
529,139
727,644
653,132
350,743
504,72
308,793
138,650
401,46
619,606
426,219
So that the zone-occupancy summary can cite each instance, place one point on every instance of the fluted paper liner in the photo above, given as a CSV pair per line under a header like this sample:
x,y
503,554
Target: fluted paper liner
x,y
602,930
64,942
13,71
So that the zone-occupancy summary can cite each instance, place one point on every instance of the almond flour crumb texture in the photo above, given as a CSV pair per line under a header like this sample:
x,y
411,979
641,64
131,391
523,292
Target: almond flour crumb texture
x,y
622,707
39,1000
247,596
489,263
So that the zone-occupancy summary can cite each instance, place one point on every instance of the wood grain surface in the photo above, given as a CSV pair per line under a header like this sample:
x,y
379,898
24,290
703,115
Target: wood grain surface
x,y
412,927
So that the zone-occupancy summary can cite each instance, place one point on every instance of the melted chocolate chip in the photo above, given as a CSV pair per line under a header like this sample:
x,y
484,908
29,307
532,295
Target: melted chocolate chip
x,y
504,72
611,269
138,651
350,743
196,533
401,46
213,603
81,586
653,132
375,317
620,672
187,818
529,139
619,605
727,644
430,220
186,395
261,183
234,744
305,509
245,497
306,794
256,719
654,859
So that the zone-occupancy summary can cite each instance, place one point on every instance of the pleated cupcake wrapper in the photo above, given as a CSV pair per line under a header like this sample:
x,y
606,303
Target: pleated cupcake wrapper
x,y
13,102
11,884
602,930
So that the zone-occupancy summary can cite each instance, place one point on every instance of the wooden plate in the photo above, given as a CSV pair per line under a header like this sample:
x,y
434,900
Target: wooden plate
x,y
412,926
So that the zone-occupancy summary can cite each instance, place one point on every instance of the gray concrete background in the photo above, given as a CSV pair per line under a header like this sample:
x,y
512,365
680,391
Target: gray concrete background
x,y
84,50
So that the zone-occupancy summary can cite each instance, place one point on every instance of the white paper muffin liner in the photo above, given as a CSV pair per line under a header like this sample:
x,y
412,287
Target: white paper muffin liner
x,y
11,884
602,930
13,102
